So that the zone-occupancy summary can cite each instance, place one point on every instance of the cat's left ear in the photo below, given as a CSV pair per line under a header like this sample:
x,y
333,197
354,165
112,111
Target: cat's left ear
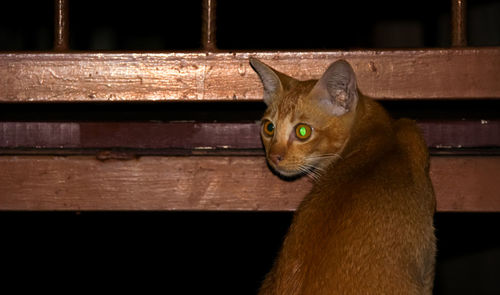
x,y
336,90
274,82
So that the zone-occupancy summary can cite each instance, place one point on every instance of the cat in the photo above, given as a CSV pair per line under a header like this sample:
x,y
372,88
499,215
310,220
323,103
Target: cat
x,y
366,227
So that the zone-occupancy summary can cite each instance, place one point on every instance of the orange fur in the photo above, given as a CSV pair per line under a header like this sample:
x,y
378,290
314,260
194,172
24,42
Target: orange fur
x,y
366,227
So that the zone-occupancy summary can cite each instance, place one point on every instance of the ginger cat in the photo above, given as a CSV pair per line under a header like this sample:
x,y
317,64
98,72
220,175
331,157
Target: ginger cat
x,y
366,227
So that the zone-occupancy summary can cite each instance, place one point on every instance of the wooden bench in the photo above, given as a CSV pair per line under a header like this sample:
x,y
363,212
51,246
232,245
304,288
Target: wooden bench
x,y
190,165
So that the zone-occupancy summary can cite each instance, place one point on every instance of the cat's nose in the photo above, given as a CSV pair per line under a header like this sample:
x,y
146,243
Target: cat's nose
x,y
276,158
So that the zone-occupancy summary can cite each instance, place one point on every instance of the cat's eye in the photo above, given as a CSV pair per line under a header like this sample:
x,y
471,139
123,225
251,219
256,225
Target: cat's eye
x,y
268,128
303,131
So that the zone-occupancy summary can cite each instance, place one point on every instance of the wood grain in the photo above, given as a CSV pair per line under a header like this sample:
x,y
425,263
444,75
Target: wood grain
x,y
208,136
206,183
466,183
88,77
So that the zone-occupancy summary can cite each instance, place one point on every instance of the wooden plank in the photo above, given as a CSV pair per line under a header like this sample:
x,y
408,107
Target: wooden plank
x,y
461,133
208,136
466,183
206,183
384,74
150,183
174,135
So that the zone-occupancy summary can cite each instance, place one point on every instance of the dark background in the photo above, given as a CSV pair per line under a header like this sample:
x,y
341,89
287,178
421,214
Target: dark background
x,y
202,252
243,25
221,252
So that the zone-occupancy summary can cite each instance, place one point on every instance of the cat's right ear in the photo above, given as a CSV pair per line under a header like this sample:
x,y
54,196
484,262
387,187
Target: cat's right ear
x,y
336,91
273,81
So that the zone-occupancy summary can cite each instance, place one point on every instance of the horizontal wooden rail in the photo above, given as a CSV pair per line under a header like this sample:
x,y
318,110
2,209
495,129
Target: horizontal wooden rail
x,y
206,183
392,74
196,137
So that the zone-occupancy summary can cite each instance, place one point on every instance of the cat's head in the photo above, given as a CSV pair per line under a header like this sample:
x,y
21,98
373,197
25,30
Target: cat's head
x,y
307,123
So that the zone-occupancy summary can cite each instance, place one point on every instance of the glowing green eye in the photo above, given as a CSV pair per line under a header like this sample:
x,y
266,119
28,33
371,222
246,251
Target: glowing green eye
x,y
268,128
303,131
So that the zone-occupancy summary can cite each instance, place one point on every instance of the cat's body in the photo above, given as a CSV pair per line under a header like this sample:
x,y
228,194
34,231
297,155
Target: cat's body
x,y
366,227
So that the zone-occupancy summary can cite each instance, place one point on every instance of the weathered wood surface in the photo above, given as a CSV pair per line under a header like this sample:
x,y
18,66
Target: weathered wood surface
x,y
391,74
205,183
207,136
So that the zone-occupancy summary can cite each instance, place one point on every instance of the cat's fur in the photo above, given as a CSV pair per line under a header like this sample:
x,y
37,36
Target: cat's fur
x,y
366,227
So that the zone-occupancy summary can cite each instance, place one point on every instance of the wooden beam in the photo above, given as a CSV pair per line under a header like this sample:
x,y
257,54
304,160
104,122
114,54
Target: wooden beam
x,y
466,183
197,136
89,77
206,183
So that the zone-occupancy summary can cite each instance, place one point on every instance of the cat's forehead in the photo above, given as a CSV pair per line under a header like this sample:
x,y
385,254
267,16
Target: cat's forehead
x,y
290,104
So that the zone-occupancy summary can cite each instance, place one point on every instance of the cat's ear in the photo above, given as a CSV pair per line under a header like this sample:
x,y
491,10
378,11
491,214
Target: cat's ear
x,y
273,81
336,90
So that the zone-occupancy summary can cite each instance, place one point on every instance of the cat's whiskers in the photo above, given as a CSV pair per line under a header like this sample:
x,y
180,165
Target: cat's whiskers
x,y
316,171
312,171
326,156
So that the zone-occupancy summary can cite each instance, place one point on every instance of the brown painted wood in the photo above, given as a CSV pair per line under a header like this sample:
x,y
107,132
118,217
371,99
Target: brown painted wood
x,y
461,133
208,136
206,183
466,183
150,183
177,135
89,77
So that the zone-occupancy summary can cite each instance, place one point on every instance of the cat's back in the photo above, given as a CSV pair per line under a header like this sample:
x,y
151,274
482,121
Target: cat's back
x,y
373,230
411,141
416,155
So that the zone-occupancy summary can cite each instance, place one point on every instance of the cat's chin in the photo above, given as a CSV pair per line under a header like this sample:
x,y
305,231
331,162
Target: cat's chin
x,y
287,173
